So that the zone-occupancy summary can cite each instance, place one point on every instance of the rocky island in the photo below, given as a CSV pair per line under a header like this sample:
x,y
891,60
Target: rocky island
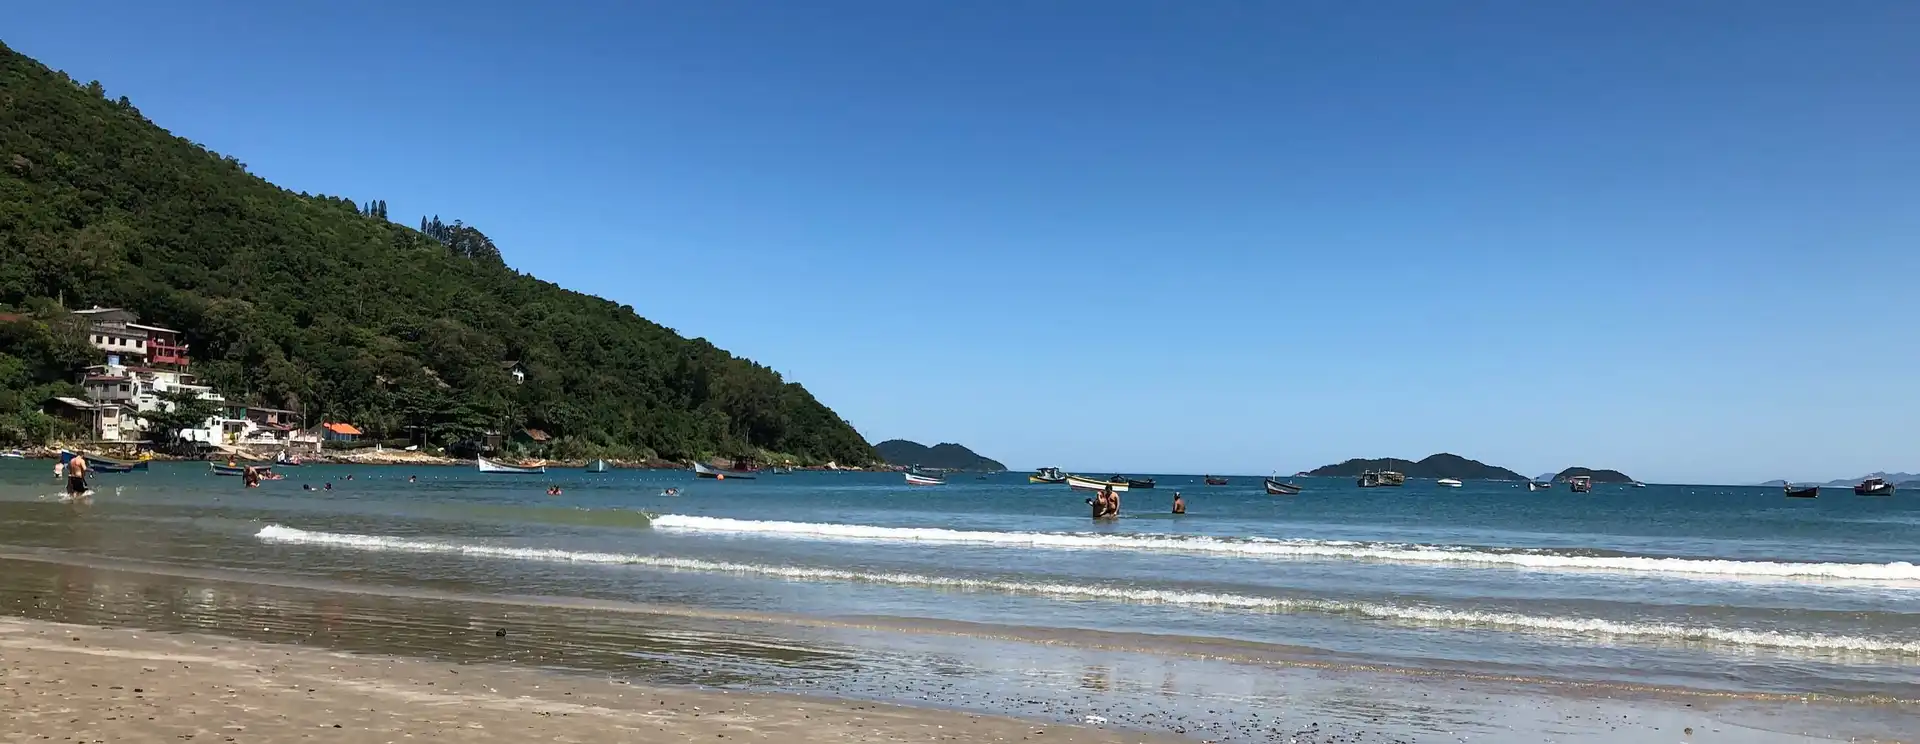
x,y
945,456
1442,465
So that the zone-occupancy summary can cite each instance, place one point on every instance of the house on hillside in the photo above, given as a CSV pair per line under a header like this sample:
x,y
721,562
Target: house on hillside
x,y
515,370
340,432
136,389
102,421
127,342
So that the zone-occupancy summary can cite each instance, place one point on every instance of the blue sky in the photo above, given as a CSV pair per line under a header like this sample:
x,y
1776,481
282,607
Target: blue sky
x,y
1152,236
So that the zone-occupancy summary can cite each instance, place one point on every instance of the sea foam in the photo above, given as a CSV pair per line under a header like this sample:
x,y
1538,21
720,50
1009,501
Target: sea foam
x,y
1410,614
1338,550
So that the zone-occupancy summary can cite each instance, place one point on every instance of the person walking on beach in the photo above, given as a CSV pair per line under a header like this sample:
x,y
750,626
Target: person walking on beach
x,y
1179,504
76,470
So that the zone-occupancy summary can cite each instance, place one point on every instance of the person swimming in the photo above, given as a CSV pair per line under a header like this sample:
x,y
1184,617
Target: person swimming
x,y
413,479
1179,504
670,492
329,486
306,486
553,490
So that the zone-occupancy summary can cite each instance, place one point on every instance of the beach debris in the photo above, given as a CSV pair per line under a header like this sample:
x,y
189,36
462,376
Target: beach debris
x,y
1096,720
501,633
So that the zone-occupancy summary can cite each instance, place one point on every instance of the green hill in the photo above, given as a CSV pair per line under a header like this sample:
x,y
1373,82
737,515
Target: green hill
x,y
1598,476
317,304
1438,466
946,456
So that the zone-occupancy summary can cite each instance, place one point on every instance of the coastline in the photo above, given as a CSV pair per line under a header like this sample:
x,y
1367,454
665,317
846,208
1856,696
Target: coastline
x,y
122,685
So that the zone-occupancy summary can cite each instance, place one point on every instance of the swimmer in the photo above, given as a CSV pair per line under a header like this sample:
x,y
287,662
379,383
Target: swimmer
x,y
1179,504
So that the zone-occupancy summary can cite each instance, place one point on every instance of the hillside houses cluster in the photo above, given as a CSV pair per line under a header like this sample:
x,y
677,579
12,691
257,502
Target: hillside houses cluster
x,y
144,361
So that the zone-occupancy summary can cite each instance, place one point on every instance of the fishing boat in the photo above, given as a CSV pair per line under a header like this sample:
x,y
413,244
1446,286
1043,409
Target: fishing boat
x,y
598,466
1873,487
1580,484
1450,483
701,470
100,464
1138,482
1808,492
1382,479
219,469
1083,483
1277,488
1047,475
1214,480
287,460
1539,486
916,479
488,466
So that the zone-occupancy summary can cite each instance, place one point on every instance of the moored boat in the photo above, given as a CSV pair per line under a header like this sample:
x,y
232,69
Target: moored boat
x,y
285,460
1539,486
1450,483
1580,484
780,470
701,470
1083,483
1138,482
13,455
1808,492
598,466
916,479
1874,487
1382,479
1638,484
219,469
488,466
1214,480
1277,488
1047,475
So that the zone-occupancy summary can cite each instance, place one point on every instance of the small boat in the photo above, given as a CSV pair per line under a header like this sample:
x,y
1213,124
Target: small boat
x,y
1539,486
13,455
1637,484
109,466
1873,487
1580,484
1214,480
701,470
219,469
916,479
287,460
1047,475
488,466
1137,482
1450,483
780,470
1808,492
1083,483
1382,479
1276,488
598,466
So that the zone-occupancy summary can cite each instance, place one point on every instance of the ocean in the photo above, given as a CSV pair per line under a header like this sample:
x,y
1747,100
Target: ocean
x,y
1732,592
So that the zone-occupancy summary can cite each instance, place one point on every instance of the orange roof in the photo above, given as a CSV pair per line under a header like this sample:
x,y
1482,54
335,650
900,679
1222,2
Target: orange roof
x,y
341,429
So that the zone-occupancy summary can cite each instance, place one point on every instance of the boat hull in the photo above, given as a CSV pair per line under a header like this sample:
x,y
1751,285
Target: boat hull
x,y
1040,479
1139,484
1212,481
1812,492
1276,488
1450,483
702,471
488,466
921,480
1884,489
1089,484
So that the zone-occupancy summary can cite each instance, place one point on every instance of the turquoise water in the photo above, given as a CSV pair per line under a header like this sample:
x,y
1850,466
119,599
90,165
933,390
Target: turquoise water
x,y
1721,588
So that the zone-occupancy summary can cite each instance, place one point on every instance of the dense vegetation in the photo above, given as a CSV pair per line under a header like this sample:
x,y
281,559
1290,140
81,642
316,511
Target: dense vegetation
x,y
1598,476
316,304
1438,466
946,456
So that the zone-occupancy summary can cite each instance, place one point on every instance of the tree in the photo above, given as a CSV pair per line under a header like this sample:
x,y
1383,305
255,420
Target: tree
x,y
180,409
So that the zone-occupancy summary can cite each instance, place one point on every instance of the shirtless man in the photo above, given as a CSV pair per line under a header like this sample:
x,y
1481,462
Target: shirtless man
x,y
1179,504
76,470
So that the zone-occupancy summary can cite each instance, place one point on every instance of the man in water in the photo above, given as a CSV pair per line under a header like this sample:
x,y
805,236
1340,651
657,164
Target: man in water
x,y
76,470
1179,504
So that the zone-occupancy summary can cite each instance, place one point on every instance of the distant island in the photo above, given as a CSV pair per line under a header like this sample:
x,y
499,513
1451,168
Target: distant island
x,y
1438,466
945,456
1598,476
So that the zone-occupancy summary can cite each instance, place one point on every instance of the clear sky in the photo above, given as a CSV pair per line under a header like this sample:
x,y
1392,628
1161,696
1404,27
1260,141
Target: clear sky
x,y
1678,239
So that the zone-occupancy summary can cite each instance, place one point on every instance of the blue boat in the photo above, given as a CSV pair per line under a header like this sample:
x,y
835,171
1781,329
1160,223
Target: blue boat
x,y
100,464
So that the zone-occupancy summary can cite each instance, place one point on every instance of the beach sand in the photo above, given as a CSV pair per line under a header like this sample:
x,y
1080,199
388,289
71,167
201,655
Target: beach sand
x,y
63,682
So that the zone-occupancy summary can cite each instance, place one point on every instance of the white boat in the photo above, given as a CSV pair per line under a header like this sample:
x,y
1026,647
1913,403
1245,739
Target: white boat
x,y
916,479
1083,483
13,455
702,471
489,466
598,466
1451,482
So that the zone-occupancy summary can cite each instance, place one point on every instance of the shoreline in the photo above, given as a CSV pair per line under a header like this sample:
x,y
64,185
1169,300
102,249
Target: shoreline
x,y
1046,681
118,685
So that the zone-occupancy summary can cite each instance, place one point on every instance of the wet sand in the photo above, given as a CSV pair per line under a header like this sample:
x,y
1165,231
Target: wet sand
x,y
76,683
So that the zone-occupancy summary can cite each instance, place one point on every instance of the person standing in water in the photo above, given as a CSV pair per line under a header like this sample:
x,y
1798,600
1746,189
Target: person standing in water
x,y
1179,504
76,470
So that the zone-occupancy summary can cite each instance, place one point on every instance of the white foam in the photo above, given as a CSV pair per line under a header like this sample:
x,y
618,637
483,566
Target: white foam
x,y
1338,549
1404,614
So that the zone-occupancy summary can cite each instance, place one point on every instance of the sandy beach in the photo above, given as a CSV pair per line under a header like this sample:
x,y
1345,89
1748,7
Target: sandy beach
x,y
75,683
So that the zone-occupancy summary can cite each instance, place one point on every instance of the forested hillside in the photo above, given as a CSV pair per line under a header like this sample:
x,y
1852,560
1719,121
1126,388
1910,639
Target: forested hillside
x,y
319,304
